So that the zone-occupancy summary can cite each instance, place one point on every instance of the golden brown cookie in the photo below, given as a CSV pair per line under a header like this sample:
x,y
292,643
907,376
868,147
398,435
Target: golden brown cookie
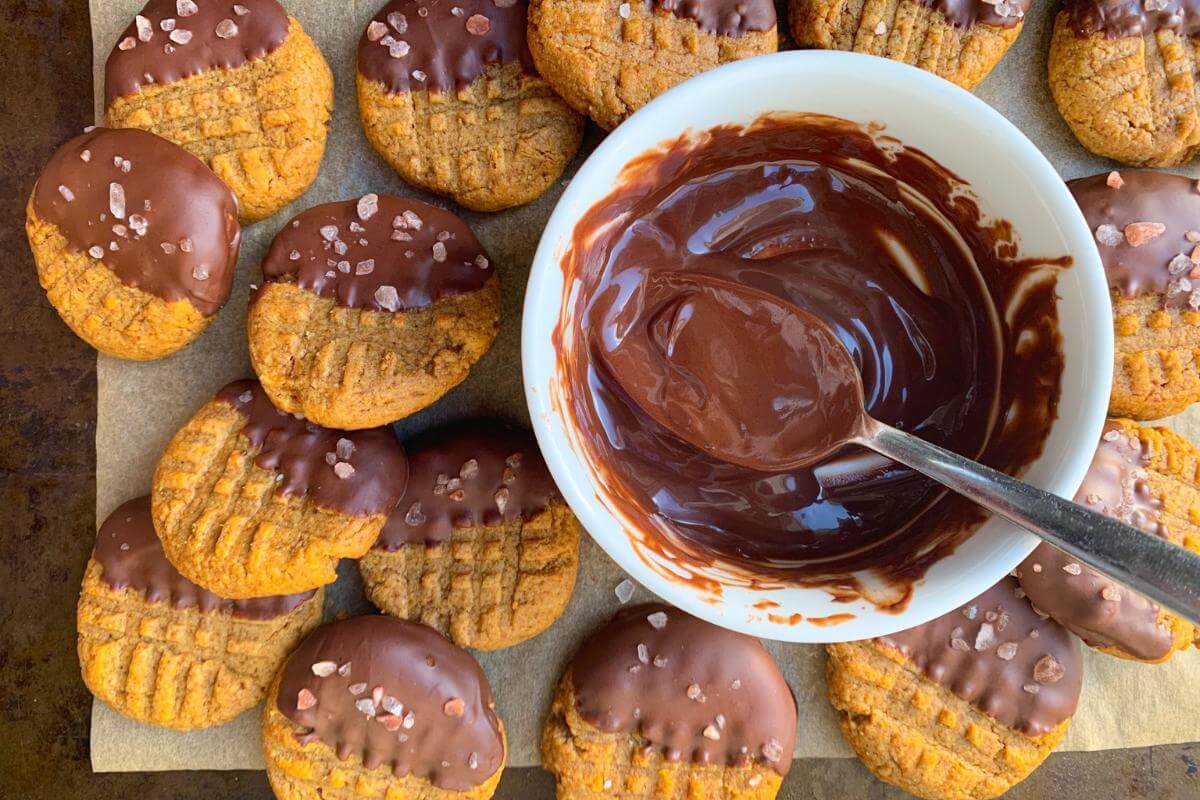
x,y
135,242
250,501
608,58
658,704
1123,77
449,96
481,547
371,310
1147,228
1145,477
964,706
959,40
239,85
161,650
376,707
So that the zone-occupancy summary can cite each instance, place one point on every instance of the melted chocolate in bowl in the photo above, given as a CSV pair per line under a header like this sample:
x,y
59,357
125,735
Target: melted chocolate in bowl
x,y
955,337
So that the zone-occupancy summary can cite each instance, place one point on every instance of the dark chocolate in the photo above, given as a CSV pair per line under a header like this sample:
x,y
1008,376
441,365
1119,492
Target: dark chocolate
x,y
1121,18
732,18
131,556
1000,656
360,473
1160,263
397,694
1093,606
694,691
482,472
965,13
379,252
150,211
175,39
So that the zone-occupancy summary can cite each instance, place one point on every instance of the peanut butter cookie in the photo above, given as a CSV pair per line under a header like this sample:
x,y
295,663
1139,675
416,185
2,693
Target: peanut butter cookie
x,y
135,242
1145,477
1124,77
238,84
658,704
159,649
481,546
608,58
371,310
963,707
250,501
375,707
449,96
1147,227
959,40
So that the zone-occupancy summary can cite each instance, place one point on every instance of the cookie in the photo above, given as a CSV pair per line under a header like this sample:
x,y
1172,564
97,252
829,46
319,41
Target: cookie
x,y
249,501
135,242
449,97
964,706
376,707
659,704
371,310
959,40
608,58
161,650
481,547
238,84
1145,477
1147,226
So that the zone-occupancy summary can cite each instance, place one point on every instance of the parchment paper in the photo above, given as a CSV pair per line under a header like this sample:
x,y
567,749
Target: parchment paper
x,y
141,405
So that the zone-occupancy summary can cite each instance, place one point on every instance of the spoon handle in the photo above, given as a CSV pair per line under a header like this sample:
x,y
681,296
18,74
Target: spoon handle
x,y
1164,572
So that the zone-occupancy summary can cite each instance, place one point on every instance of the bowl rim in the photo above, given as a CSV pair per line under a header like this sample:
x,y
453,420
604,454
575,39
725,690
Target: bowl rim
x,y
582,192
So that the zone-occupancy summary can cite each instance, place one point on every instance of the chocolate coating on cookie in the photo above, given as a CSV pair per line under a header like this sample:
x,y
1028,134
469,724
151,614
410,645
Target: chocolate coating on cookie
x,y
131,556
148,210
1152,256
176,39
695,691
1094,607
468,474
381,252
965,13
732,18
1000,656
442,45
360,473
395,694
1120,18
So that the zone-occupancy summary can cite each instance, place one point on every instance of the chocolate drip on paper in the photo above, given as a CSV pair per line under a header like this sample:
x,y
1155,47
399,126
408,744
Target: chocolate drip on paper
x,y
482,472
397,694
1117,19
733,18
131,556
148,210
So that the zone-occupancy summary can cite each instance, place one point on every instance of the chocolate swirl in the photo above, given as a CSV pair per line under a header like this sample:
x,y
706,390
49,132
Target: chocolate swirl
x,y
1000,656
150,211
176,39
396,694
360,473
732,18
693,690
131,556
1120,18
380,252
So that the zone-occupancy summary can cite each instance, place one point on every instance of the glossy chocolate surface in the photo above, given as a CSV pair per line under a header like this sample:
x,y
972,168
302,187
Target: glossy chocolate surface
x,y
965,13
732,18
1120,18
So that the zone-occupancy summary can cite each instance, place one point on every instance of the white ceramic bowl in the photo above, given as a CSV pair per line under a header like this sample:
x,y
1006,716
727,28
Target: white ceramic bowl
x,y
1013,180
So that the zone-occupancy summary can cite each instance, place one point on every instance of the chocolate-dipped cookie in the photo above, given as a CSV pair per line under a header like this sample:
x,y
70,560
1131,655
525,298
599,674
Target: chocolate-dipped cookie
x,y
959,40
250,501
370,310
482,546
238,84
608,58
378,707
1144,477
160,649
1122,75
658,703
964,706
135,241
1147,228
449,97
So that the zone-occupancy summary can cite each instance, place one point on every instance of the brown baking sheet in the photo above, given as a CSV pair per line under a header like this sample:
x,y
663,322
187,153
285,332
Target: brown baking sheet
x,y
141,405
